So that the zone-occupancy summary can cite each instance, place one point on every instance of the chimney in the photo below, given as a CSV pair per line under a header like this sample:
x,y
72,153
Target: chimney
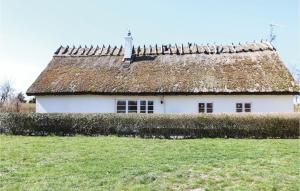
x,y
128,48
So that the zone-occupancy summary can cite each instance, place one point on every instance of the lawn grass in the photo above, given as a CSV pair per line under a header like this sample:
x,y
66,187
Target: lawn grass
x,y
120,163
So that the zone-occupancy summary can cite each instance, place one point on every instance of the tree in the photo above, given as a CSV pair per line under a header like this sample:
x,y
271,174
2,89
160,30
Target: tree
x,y
21,97
6,91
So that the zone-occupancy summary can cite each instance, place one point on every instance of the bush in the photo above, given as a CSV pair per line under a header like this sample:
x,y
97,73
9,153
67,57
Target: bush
x,y
154,125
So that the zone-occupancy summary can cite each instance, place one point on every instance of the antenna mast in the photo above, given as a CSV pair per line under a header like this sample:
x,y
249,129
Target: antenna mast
x,y
272,36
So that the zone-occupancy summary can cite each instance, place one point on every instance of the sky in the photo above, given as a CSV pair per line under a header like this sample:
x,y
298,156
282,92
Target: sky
x,y
32,30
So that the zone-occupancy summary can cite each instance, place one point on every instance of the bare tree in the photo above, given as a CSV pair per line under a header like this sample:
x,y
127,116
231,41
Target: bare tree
x,y
6,91
21,97
8,98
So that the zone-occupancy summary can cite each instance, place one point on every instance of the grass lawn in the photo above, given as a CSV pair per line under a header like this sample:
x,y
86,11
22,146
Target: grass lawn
x,y
119,163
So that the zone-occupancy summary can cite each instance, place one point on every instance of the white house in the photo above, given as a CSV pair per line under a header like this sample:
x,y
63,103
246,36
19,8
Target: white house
x,y
165,79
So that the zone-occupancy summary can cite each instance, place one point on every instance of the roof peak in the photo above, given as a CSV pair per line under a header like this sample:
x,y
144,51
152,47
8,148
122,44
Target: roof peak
x,y
179,49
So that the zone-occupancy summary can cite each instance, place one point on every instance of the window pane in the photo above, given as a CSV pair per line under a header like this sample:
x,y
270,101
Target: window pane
x,y
239,110
121,111
201,107
121,102
247,107
209,110
143,102
150,111
132,102
239,107
209,107
150,102
132,107
150,107
142,107
121,107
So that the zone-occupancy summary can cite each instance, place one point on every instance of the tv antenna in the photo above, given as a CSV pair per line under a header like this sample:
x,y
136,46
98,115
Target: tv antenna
x,y
272,35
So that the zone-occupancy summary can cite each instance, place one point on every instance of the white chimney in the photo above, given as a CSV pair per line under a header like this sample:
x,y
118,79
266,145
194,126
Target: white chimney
x,y
128,47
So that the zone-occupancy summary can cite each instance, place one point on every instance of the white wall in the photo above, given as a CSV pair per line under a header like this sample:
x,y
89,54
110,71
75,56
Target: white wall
x,y
87,103
226,103
172,104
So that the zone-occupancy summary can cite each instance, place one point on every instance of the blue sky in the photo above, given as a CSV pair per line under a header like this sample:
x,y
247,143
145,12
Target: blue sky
x,y
31,30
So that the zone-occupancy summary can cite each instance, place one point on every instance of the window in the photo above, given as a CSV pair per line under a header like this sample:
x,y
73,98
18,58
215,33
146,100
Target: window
x,y
150,107
201,107
205,107
132,106
240,107
209,107
247,107
121,106
135,106
143,106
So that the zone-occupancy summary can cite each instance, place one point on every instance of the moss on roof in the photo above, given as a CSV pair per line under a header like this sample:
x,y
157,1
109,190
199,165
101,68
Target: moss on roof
x,y
251,68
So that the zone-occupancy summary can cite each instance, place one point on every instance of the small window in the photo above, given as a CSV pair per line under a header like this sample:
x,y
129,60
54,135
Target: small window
x,y
247,107
239,107
201,107
121,106
143,107
209,107
150,107
132,106
205,107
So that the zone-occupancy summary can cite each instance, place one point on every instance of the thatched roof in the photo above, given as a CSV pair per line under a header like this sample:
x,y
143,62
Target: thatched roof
x,y
253,68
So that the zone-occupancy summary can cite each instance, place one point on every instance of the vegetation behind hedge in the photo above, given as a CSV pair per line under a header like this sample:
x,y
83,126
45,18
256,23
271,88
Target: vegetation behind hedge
x,y
154,125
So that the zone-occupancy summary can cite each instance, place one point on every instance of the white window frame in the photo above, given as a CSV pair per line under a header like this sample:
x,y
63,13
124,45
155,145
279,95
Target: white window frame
x,y
243,106
205,106
147,111
250,107
235,108
138,105
116,105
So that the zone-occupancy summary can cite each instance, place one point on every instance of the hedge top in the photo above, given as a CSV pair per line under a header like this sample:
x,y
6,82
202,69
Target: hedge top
x,y
253,68
163,126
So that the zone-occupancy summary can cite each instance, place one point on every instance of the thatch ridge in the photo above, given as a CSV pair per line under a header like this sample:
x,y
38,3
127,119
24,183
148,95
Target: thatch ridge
x,y
167,71
190,48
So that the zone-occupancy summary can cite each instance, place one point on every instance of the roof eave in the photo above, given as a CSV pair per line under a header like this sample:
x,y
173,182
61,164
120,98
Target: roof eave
x,y
162,93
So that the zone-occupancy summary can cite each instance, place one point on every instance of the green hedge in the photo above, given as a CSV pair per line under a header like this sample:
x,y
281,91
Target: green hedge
x,y
154,125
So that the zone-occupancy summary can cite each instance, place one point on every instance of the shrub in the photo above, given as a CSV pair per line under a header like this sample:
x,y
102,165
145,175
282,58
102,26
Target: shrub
x,y
155,125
